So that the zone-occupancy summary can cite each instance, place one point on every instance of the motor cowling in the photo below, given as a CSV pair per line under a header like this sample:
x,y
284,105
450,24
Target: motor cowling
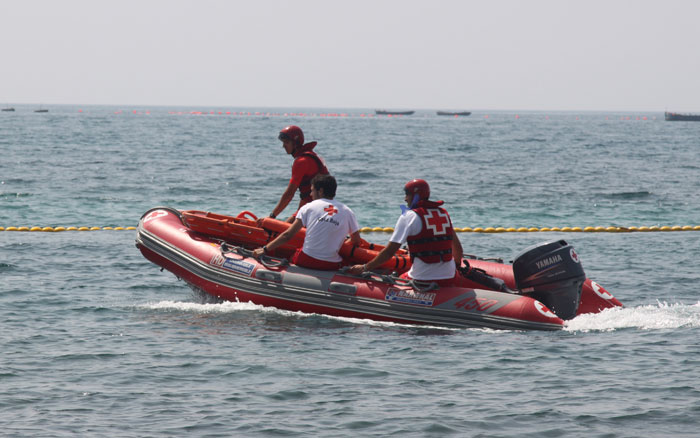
x,y
552,274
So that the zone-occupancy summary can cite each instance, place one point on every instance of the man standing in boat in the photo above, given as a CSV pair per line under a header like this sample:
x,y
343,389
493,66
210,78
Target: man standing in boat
x,y
328,222
433,245
307,164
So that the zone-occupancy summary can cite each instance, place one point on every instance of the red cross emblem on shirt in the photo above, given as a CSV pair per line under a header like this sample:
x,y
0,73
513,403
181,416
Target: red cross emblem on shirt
x,y
330,210
437,221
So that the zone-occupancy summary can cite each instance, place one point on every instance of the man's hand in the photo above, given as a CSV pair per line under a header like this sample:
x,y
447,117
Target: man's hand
x,y
356,269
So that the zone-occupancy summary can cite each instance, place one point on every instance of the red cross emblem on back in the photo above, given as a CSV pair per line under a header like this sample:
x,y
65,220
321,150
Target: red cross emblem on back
x,y
436,221
330,210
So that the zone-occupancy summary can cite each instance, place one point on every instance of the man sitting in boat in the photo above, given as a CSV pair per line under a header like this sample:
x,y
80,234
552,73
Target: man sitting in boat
x,y
328,222
433,245
307,164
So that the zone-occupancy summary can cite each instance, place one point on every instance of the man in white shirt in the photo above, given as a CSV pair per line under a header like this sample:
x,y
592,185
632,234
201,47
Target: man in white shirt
x,y
328,222
433,245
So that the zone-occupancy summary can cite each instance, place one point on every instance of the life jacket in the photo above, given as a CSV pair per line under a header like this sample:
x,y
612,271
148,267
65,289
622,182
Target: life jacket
x,y
434,243
307,151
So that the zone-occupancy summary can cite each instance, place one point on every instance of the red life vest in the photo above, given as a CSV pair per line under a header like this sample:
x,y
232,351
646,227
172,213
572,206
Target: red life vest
x,y
434,243
307,151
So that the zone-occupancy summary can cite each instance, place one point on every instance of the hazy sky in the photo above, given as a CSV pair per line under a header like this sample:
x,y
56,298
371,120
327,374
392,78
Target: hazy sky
x,y
541,55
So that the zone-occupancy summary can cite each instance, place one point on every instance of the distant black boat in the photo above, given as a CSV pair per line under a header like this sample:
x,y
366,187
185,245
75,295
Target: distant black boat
x,y
41,110
674,117
394,113
453,113
8,109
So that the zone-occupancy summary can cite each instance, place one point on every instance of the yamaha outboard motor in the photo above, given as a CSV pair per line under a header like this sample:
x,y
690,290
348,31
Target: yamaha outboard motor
x,y
552,274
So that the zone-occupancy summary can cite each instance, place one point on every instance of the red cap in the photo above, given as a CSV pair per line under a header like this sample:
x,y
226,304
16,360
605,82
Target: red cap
x,y
419,186
293,133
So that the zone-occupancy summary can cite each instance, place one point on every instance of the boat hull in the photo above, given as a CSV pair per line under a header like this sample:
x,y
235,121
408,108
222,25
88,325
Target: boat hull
x,y
207,263
678,117
393,113
454,113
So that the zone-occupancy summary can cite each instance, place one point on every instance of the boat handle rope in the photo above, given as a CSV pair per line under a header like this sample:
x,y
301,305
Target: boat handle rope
x,y
168,209
486,259
273,262
370,275
265,260
423,286
420,286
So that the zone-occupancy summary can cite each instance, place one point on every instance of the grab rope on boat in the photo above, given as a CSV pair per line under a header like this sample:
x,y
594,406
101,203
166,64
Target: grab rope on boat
x,y
423,286
420,286
174,211
486,259
265,260
369,275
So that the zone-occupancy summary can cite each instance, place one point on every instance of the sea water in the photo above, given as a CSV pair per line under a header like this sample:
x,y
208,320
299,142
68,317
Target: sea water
x,y
97,341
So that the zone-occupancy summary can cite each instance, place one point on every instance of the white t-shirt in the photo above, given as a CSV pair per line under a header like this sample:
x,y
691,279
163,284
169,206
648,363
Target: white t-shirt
x,y
410,224
328,223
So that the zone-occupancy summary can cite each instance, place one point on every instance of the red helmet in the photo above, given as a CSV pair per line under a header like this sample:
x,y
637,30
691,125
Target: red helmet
x,y
418,186
293,133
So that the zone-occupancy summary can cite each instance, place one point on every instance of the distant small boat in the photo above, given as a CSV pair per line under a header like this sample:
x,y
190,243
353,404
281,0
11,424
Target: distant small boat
x,y
8,109
453,113
41,110
674,117
394,113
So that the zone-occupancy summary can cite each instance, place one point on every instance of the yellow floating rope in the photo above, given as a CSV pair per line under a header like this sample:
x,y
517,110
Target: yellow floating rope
x,y
55,229
598,229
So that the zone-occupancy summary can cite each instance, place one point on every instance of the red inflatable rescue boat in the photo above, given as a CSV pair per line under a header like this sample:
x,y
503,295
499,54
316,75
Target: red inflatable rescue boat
x,y
545,285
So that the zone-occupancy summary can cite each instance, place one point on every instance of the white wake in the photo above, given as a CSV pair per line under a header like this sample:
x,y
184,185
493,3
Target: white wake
x,y
651,317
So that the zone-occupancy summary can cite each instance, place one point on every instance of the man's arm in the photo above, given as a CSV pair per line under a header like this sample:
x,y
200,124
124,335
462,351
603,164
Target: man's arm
x,y
457,251
385,254
355,238
286,198
281,239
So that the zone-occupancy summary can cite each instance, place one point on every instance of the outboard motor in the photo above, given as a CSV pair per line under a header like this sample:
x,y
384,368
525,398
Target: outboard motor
x,y
552,274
